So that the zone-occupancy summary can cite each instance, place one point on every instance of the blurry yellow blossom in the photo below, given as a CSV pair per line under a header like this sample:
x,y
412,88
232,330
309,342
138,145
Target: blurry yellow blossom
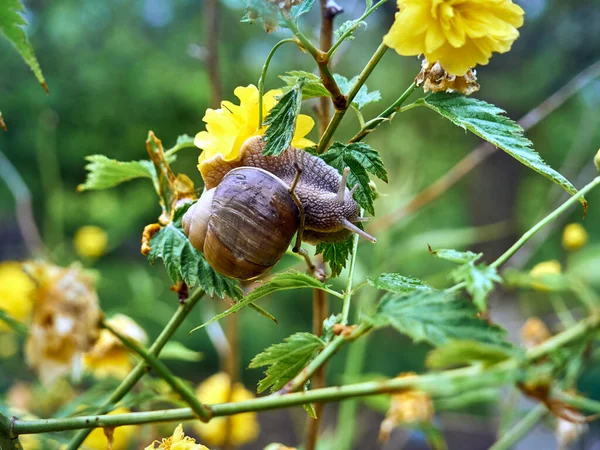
x,y
121,436
108,357
16,289
410,407
544,270
90,241
244,427
65,323
574,237
228,127
458,33
178,441
534,332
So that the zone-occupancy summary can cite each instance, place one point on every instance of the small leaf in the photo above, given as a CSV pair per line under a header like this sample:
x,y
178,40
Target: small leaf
x,y
285,360
489,123
363,96
104,173
281,121
177,351
312,86
435,317
184,262
480,281
398,284
349,26
302,8
12,22
280,282
335,254
310,409
456,256
464,353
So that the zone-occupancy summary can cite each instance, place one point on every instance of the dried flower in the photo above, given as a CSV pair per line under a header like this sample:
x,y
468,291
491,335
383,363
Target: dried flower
x,y
178,441
90,241
534,332
65,322
457,33
228,128
16,289
121,436
244,427
574,237
567,432
434,78
109,357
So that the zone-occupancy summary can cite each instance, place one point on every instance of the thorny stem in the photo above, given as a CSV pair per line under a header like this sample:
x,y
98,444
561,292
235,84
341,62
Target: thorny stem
x,y
263,75
545,221
521,428
138,372
339,114
161,369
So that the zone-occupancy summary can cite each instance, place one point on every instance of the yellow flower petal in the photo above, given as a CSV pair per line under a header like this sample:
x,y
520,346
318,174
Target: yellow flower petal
x,y
16,289
304,125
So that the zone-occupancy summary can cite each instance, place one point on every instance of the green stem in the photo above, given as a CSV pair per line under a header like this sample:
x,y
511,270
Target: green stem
x,y
179,146
13,323
383,116
545,221
520,429
350,30
138,372
560,308
263,75
339,114
348,292
581,403
161,369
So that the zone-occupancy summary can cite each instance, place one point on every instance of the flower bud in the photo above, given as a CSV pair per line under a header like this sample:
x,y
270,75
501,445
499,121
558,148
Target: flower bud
x,y
574,237
597,160
90,241
534,332
543,270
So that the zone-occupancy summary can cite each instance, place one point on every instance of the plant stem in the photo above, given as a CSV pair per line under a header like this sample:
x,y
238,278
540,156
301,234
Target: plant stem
x,y
138,372
211,24
577,401
263,75
179,146
521,428
339,114
545,221
161,369
348,293
383,116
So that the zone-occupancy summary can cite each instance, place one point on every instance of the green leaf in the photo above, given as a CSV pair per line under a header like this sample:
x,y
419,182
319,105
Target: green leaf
x,y
456,256
398,284
184,262
280,282
435,317
363,96
328,325
312,86
281,121
480,281
285,360
349,25
464,353
310,409
361,159
489,123
12,22
297,10
177,351
335,254
183,141
104,173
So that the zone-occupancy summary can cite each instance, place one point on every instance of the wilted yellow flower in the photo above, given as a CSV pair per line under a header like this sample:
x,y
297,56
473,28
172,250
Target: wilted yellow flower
x,y
244,427
434,78
16,289
178,441
228,127
457,33
534,332
409,407
90,241
121,436
65,322
574,237
109,357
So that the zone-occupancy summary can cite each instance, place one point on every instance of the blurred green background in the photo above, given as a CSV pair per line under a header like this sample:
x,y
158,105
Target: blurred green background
x,y
118,68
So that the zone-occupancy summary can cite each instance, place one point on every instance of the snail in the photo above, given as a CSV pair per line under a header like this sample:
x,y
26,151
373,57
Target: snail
x,y
253,206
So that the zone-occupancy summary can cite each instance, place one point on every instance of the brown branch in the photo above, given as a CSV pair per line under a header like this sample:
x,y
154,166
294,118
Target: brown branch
x,y
211,24
483,151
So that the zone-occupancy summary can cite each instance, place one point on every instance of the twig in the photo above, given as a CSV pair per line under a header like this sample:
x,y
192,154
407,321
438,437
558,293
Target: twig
x,y
483,151
138,372
211,23
521,428
24,211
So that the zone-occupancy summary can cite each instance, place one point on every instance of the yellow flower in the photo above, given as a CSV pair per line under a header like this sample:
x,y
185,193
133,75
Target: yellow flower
x,y
90,241
16,289
244,427
109,357
122,436
457,33
65,323
178,441
574,237
545,272
228,127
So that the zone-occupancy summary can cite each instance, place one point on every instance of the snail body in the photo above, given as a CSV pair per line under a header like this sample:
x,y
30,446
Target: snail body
x,y
254,205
